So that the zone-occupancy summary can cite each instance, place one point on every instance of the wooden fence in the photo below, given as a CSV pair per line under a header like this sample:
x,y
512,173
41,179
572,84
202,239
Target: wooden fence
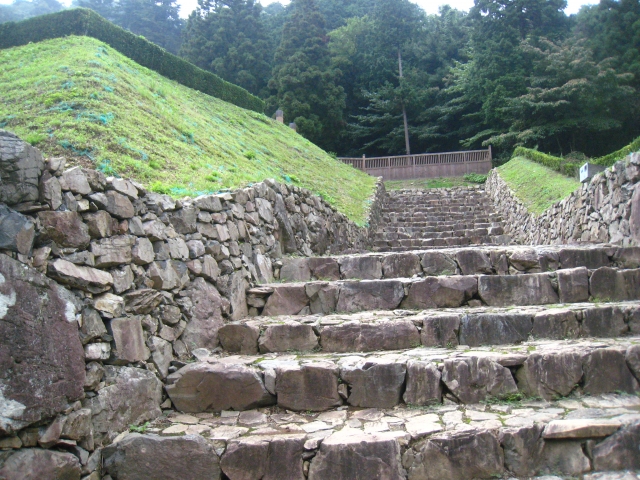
x,y
424,165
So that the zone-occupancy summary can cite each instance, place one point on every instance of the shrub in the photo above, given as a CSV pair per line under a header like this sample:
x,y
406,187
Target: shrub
x,y
612,158
475,177
84,22
561,165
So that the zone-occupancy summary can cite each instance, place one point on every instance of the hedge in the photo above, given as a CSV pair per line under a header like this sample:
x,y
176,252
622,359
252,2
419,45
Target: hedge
x,y
612,158
555,163
82,21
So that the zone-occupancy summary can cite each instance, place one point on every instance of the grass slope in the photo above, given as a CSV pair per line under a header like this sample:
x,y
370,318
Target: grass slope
x,y
535,185
79,98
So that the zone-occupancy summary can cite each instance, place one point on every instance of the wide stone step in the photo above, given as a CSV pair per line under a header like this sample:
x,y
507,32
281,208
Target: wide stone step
x,y
512,259
594,436
402,329
421,376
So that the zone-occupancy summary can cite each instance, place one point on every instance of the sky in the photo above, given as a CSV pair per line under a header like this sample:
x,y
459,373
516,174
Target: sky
x,y
430,6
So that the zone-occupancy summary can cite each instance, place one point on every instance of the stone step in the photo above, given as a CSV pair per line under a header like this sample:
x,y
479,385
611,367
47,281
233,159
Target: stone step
x,y
446,225
402,329
486,260
390,233
593,437
348,296
420,376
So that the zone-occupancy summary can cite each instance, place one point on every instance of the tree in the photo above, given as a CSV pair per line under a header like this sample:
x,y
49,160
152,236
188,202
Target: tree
x,y
156,20
304,84
23,9
228,38
572,103
497,68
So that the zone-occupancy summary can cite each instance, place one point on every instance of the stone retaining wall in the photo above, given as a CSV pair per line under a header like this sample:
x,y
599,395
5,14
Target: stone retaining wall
x,y
105,286
605,210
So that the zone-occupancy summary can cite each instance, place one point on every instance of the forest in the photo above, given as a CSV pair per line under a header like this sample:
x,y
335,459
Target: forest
x,y
381,77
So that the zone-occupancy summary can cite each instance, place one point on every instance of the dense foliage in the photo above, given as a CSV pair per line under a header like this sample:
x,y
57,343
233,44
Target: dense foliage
x,y
82,21
360,76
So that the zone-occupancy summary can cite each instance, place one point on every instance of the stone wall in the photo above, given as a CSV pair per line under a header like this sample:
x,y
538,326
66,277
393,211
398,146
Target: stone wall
x,y
605,210
107,288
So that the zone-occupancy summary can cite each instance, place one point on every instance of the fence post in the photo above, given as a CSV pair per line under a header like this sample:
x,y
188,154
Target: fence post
x,y
363,163
490,155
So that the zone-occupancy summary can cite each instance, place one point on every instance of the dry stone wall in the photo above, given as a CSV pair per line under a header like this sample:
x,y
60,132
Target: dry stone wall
x,y
107,288
605,210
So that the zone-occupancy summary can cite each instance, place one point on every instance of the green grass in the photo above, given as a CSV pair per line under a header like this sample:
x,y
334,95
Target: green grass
x,y
79,98
535,185
426,183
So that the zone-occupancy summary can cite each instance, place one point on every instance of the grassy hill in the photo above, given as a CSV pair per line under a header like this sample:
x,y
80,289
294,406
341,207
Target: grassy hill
x,y
536,186
79,98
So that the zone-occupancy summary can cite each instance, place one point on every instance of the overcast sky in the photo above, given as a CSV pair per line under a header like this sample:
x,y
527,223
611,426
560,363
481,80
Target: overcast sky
x,y
430,6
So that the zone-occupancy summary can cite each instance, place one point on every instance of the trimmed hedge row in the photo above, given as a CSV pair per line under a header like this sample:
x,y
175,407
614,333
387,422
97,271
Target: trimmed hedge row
x,y
612,158
555,163
81,21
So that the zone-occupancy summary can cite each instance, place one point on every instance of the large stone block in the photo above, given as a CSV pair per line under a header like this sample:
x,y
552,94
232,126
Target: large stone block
x,y
260,458
474,262
286,300
115,203
441,292
363,267
76,181
606,371
528,289
324,268
556,324
368,337
423,383
609,284
522,448
370,295
239,338
440,330
367,456
313,386
573,285
437,263
41,357
17,231
20,169
288,336
374,384
145,457
455,456
84,278
295,270
591,258
113,251
184,220
129,341
323,297
204,312
38,464
64,228
494,328
400,265
550,375
565,458
474,379
202,387
619,451
604,322
130,396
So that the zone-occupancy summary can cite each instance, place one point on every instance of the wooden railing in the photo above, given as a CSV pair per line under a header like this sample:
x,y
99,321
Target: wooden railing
x,y
424,165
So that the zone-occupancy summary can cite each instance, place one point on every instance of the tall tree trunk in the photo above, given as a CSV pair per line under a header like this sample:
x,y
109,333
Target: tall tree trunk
x,y
404,110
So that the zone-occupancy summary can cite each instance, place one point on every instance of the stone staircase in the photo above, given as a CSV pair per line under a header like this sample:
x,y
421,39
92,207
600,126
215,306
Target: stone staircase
x,y
485,361
444,217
